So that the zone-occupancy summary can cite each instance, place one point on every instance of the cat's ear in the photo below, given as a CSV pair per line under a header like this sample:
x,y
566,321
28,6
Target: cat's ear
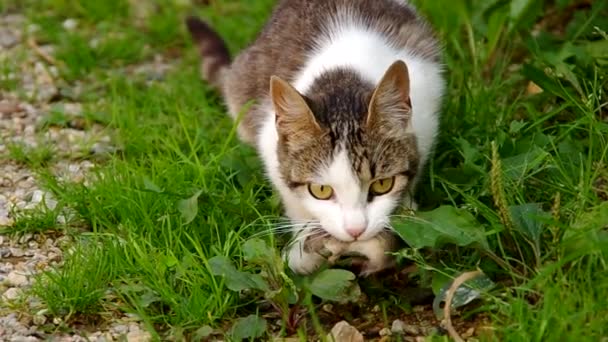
x,y
390,105
293,115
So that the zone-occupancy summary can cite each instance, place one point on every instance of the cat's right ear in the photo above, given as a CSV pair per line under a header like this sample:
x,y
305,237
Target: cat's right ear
x,y
390,106
293,115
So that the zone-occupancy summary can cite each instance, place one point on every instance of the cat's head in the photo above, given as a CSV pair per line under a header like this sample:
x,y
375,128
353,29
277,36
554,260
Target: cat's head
x,y
346,150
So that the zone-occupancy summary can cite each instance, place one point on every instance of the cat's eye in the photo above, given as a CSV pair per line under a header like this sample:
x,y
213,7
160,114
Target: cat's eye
x,y
382,186
321,192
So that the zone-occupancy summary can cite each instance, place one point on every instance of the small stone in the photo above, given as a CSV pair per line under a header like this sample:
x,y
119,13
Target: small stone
x,y
32,28
400,327
94,43
11,294
39,319
16,279
120,329
468,333
344,332
25,238
8,38
376,308
138,336
134,327
70,24
8,108
385,332
17,252
102,148
73,109
328,308
24,339
39,196
61,219
7,267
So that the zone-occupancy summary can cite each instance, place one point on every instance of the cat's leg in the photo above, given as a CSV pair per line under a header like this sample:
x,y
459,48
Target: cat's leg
x,y
375,251
302,261
305,256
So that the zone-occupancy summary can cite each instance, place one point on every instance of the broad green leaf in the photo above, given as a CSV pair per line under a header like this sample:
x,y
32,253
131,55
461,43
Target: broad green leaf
x,y
169,260
236,280
150,186
440,226
148,297
202,333
589,233
258,252
518,7
598,49
557,59
466,293
335,284
516,126
496,24
188,207
529,219
248,327
438,282
517,167
523,13
545,82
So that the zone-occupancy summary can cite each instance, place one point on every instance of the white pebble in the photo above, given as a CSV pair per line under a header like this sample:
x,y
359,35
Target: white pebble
x,y
11,294
16,279
17,252
138,336
70,24
39,319
400,327
120,329
385,332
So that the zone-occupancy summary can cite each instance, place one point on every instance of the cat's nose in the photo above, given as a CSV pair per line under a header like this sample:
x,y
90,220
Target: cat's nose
x,y
355,231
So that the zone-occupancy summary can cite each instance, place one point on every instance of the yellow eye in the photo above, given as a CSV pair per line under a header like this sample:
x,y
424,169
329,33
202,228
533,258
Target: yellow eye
x,y
322,192
382,186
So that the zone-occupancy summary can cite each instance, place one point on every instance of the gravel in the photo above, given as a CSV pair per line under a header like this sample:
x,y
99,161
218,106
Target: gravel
x,y
400,327
23,110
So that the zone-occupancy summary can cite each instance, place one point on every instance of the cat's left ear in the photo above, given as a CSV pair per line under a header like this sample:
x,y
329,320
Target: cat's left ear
x,y
390,106
293,115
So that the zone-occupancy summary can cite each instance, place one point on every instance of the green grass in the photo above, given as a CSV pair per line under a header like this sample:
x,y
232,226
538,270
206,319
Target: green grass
x,y
34,157
181,189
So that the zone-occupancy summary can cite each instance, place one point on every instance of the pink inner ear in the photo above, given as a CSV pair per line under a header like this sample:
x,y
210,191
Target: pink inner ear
x,y
391,101
293,116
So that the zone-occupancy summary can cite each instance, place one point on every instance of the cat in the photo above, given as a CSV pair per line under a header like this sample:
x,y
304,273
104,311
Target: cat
x,y
346,97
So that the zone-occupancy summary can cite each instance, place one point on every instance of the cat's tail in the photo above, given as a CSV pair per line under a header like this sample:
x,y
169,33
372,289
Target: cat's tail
x,y
213,49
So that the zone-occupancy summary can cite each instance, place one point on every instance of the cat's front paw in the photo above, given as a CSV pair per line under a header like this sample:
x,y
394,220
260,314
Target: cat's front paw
x,y
375,252
302,262
372,266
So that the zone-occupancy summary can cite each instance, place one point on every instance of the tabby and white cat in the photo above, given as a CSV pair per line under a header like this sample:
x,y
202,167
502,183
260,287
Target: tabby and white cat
x,y
346,98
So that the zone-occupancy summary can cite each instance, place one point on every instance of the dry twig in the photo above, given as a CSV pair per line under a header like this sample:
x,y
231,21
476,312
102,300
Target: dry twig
x,y
48,58
461,279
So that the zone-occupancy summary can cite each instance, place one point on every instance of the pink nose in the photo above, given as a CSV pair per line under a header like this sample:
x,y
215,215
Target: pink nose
x,y
355,231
